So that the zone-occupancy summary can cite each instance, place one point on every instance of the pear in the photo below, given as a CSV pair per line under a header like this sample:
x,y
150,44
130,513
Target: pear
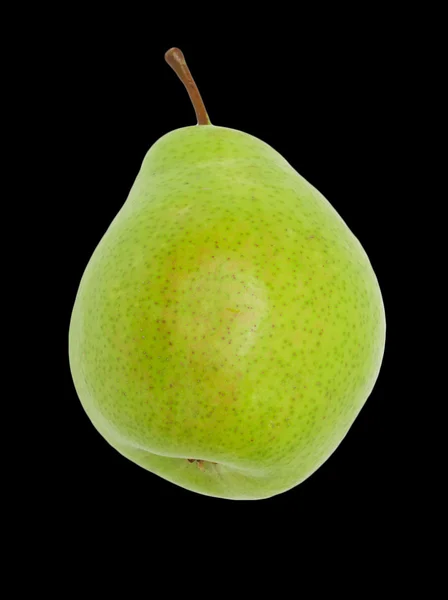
x,y
229,326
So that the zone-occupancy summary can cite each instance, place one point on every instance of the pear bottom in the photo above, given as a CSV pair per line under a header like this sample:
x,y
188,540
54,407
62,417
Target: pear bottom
x,y
221,480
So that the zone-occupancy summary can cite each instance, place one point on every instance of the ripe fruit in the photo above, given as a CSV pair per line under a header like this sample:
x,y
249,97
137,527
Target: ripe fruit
x,y
229,326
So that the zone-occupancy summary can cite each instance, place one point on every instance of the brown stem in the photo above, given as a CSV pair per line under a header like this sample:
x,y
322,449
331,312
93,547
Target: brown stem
x,y
176,60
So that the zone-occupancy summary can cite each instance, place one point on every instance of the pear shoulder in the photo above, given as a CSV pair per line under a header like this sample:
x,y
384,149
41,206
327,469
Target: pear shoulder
x,y
198,146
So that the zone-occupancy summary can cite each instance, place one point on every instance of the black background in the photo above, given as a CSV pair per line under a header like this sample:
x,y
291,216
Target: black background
x,y
330,101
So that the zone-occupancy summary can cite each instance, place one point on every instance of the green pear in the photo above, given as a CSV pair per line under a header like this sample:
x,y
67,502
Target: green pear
x,y
229,326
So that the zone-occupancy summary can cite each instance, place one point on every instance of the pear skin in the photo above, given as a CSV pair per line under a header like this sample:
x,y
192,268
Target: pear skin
x,y
229,326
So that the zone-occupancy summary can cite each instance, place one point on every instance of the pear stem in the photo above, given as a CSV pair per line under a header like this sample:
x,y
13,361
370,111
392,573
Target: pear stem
x,y
176,60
